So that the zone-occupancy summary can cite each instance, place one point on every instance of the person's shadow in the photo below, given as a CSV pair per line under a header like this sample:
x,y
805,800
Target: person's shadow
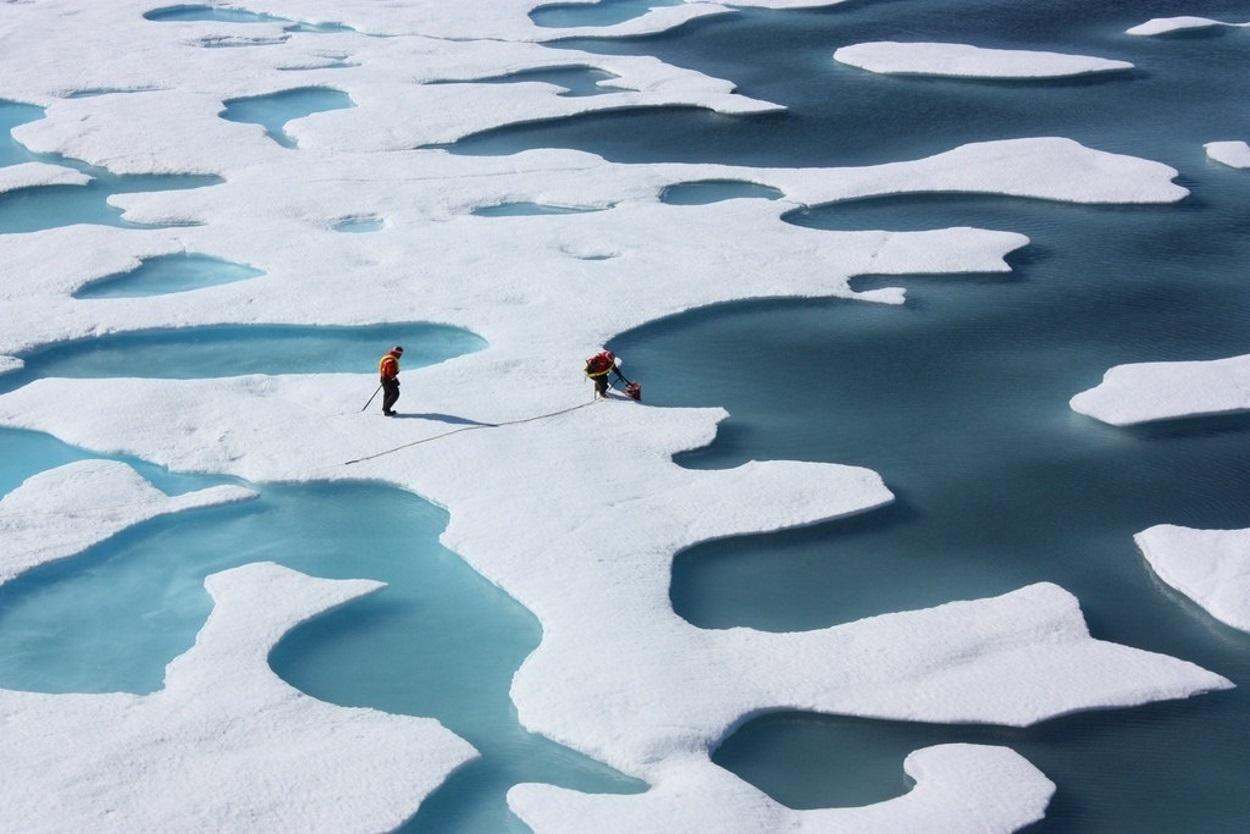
x,y
445,418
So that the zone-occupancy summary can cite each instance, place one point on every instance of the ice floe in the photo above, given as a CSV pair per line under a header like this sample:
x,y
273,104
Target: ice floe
x,y
1211,567
958,60
61,512
1235,154
1146,391
35,174
1181,23
958,788
226,745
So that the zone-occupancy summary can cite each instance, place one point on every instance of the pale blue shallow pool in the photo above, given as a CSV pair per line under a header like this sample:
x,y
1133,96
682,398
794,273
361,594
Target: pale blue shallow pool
x,y
440,641
236,350
601,13
47,207
272,111
167,274
219,14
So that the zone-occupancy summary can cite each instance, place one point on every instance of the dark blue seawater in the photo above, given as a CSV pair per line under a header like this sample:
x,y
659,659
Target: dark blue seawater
x,y
960,397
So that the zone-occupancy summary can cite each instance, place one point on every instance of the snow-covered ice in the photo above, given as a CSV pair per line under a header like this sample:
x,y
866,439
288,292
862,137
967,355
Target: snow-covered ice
x,y
226,745
958,788
34,174
288,235
959,60
1146,391
1211,567
63,511
1233,153
1181,23
618,675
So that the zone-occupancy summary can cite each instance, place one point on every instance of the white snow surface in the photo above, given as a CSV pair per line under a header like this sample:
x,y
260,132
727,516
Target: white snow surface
x,y
1168,25
1234,154
1146,391
63,511
618,675
959,60
226,745
10,364
32,174
1211,567
960,789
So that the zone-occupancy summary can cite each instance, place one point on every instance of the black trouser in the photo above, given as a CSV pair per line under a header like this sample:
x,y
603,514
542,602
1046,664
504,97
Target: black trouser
x,y
601,385
390,393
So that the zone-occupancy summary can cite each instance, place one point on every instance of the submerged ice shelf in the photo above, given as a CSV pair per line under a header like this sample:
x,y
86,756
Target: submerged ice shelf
x,y
1211,567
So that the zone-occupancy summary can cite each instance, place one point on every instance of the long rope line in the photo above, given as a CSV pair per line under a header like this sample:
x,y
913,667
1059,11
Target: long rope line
x,y
469,428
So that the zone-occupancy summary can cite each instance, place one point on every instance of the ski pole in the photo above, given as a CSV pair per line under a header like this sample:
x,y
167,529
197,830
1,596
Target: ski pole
x,y
375,393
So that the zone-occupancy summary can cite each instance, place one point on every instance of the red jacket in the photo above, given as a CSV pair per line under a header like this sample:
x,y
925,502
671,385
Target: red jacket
x,y
600,364
388,366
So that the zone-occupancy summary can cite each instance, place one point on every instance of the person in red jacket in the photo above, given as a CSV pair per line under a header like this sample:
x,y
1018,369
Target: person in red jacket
x,y
388,371
599,367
